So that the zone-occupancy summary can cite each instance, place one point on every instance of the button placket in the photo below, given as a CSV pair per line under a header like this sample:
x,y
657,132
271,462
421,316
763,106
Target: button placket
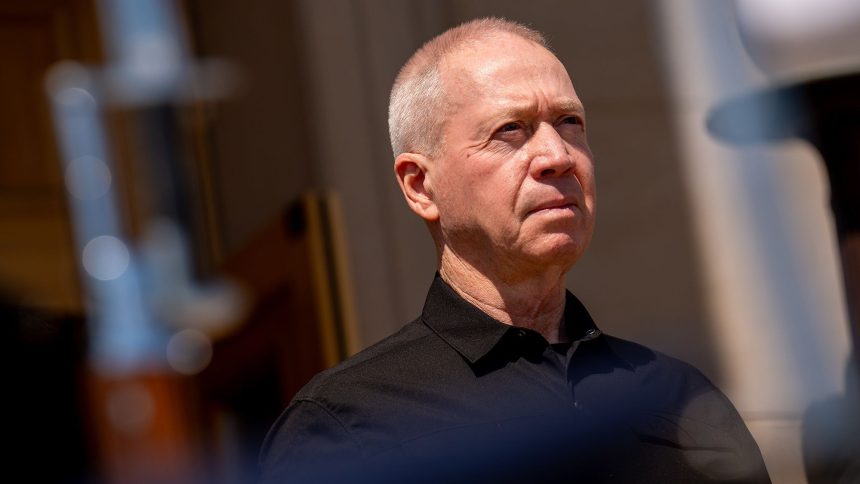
x,y
590,334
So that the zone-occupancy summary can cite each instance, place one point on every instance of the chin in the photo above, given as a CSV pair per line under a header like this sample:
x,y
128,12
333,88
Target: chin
x,y
561,250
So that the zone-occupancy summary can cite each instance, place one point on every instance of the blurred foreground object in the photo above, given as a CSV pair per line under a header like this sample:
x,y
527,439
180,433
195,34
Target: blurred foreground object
x,y
801,39
810,50
150,323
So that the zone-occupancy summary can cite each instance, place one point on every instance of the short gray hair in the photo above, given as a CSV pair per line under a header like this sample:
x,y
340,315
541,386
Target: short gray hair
x,y
417,108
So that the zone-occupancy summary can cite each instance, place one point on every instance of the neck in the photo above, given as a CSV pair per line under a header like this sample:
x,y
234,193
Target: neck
x,y
535,301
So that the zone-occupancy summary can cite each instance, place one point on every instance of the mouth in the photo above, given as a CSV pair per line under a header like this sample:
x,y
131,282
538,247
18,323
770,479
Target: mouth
x,y
565,204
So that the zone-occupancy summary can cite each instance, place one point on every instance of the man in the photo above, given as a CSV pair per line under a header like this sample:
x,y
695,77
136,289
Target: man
x,y
504,377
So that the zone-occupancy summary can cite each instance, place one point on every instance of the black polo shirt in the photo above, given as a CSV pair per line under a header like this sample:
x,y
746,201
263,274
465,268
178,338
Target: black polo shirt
x,y
456,396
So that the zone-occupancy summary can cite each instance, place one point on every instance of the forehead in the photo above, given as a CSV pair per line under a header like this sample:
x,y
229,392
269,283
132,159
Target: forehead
x,y
503,66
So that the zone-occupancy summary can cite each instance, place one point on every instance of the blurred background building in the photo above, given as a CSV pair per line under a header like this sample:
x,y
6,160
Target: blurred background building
x,y
721,255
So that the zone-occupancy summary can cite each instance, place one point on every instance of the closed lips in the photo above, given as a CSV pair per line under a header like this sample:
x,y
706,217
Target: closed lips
x,y
554,205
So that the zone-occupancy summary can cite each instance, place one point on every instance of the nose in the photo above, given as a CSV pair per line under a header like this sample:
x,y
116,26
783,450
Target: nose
x,y
550,157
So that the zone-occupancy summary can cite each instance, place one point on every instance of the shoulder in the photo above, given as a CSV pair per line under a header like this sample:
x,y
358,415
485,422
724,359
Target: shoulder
x,y
682,394
619,370
675,403
653,364
317,425
412,345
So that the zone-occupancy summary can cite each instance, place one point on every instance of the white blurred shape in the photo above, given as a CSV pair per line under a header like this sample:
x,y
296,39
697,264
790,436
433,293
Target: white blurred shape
x,y
75,96
105,257
214,308
189,351
798,18
153,59
87,178
802,38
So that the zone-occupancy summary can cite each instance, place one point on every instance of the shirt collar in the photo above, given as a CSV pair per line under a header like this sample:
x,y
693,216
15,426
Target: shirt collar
x,y
473,333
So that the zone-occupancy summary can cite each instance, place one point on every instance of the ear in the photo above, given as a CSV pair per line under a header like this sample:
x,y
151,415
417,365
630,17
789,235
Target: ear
x,y
412,171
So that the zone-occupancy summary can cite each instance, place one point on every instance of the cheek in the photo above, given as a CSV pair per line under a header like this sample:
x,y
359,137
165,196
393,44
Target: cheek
x,y
589,186
473,182
481,189
453,201
584,172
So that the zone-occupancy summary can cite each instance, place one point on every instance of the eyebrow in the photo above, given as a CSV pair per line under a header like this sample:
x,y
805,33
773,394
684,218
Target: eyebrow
x,y
569,106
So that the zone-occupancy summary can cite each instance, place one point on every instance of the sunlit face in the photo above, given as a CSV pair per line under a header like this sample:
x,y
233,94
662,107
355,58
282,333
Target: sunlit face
x,y
514,185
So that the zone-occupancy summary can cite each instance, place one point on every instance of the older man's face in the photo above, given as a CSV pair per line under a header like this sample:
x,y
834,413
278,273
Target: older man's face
x,y
515,182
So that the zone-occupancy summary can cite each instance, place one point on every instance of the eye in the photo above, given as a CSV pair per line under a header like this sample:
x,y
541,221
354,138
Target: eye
x,y
511,132
572,120
509,127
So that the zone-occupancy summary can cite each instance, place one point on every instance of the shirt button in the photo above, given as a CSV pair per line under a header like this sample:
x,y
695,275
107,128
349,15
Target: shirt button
x,y
577,405
520,333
